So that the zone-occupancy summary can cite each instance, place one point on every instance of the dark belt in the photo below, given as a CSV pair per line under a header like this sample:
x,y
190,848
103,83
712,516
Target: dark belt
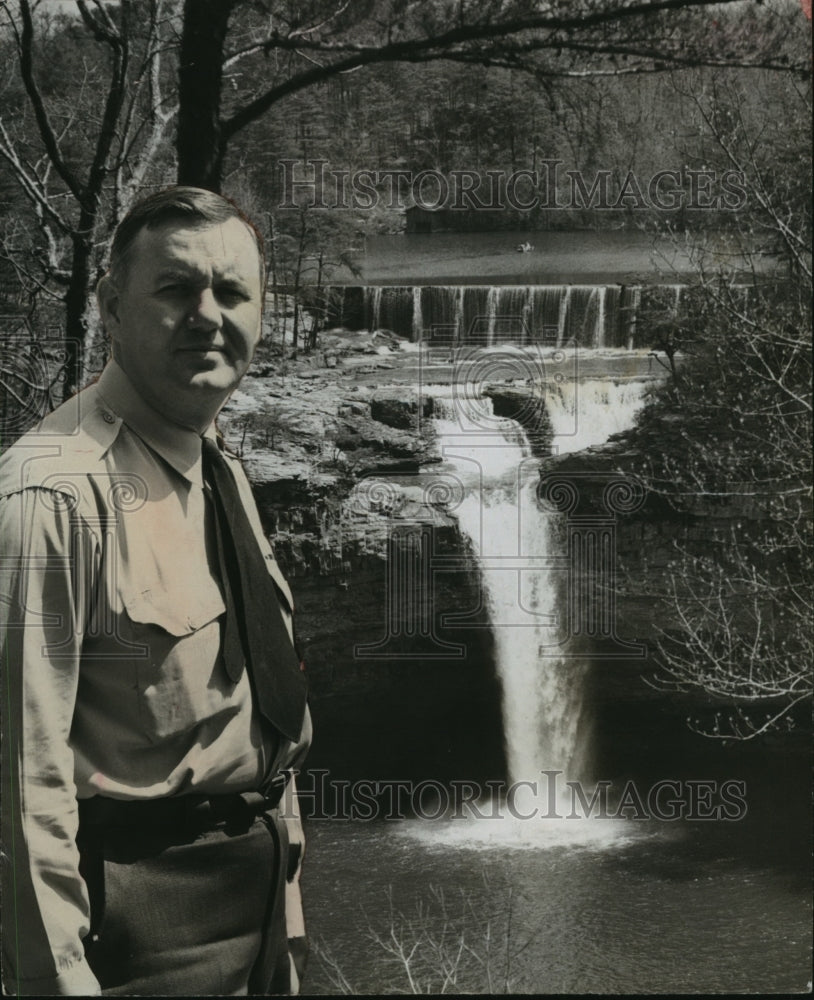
x,y
177,811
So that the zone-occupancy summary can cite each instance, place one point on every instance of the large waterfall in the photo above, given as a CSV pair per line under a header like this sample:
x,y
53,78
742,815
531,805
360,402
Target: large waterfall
x,y
520,554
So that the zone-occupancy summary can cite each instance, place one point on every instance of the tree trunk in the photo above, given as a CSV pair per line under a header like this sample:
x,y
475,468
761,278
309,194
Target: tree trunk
x,y
320,306
200,80
76,315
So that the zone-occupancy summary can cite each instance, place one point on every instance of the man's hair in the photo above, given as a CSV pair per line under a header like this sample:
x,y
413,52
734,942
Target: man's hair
x,y
188,206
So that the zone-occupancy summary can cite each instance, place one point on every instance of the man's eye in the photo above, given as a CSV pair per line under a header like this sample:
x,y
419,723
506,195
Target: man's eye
x,y
232,295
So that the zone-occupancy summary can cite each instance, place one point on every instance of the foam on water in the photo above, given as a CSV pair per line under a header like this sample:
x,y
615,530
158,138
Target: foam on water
x,y
521,834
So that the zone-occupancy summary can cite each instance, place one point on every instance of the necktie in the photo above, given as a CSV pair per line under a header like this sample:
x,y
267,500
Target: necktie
x,y
255,631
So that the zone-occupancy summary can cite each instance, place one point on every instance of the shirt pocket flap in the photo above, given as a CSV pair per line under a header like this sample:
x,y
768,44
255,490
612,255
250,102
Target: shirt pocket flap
x,y
178,613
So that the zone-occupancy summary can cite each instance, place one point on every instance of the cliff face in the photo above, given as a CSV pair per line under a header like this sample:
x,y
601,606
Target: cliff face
x,y
333,461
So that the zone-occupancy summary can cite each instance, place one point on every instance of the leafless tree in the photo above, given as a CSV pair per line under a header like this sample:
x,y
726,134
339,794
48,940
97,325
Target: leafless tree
x,y
79,154
285,48
735,459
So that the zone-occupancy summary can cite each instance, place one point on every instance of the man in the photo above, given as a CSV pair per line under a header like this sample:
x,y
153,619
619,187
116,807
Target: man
x,y
153,705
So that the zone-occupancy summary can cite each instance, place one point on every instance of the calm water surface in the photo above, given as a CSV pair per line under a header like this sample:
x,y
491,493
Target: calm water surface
x,y
665,908
578,257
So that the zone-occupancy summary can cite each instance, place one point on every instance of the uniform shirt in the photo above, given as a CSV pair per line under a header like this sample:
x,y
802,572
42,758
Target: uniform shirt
x,y
113,678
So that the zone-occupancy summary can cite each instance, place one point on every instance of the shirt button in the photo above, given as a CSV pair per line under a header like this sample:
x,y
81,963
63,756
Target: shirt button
x,y
108,417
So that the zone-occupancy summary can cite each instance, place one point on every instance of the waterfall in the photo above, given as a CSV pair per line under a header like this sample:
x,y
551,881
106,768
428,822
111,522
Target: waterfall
x,y
565,301
373,307
521,556
418,322
599,333
458,321
596,316
635,306
586,315
586,413
499,513
491,312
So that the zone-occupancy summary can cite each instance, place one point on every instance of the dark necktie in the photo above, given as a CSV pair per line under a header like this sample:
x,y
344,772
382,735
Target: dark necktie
x,y
255,631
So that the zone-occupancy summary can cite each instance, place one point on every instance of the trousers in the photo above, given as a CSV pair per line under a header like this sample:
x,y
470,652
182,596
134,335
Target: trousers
x,y
187,908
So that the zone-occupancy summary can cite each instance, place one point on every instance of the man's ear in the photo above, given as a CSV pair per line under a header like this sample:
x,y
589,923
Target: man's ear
x,y
107,296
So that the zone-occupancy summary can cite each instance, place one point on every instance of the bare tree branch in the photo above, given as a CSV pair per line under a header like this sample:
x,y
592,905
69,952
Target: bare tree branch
x,y
25,42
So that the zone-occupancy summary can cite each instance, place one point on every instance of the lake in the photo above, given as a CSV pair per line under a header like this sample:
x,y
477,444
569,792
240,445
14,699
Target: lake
x,y
577,257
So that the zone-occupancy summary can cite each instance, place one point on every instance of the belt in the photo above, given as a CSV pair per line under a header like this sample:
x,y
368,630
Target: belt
x,y
183,810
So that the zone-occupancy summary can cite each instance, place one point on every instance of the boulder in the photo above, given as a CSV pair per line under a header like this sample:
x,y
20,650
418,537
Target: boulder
x,y
400,409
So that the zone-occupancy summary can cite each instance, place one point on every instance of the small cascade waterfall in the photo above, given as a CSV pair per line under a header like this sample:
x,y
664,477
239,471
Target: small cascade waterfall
x,y
418,320
599,326
562,313
458,321
491,312
376,304
521,558
597,316
635,307
585,413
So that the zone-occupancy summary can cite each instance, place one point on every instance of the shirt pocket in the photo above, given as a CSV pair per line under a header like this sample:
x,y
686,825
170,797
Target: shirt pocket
x,y
181,682
177,611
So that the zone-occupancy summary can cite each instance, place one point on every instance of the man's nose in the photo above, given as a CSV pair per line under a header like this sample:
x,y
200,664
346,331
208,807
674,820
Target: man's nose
x,y
205,312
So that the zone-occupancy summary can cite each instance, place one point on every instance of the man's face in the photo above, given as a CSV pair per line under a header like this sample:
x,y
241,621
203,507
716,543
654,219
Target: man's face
x,y
184,316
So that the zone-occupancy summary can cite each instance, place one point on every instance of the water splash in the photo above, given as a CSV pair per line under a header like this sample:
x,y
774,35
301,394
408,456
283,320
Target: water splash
x,y
519,833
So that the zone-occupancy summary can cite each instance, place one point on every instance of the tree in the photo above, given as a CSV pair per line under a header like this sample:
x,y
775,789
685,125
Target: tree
x,y
289,47
79,159
96,92
303,247
446,943
729,446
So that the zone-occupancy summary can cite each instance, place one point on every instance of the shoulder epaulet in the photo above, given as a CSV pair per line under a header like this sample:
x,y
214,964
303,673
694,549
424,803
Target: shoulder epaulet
x,y
67,444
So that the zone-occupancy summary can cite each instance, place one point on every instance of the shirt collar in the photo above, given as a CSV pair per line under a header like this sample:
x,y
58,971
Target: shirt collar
x,y
179,446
